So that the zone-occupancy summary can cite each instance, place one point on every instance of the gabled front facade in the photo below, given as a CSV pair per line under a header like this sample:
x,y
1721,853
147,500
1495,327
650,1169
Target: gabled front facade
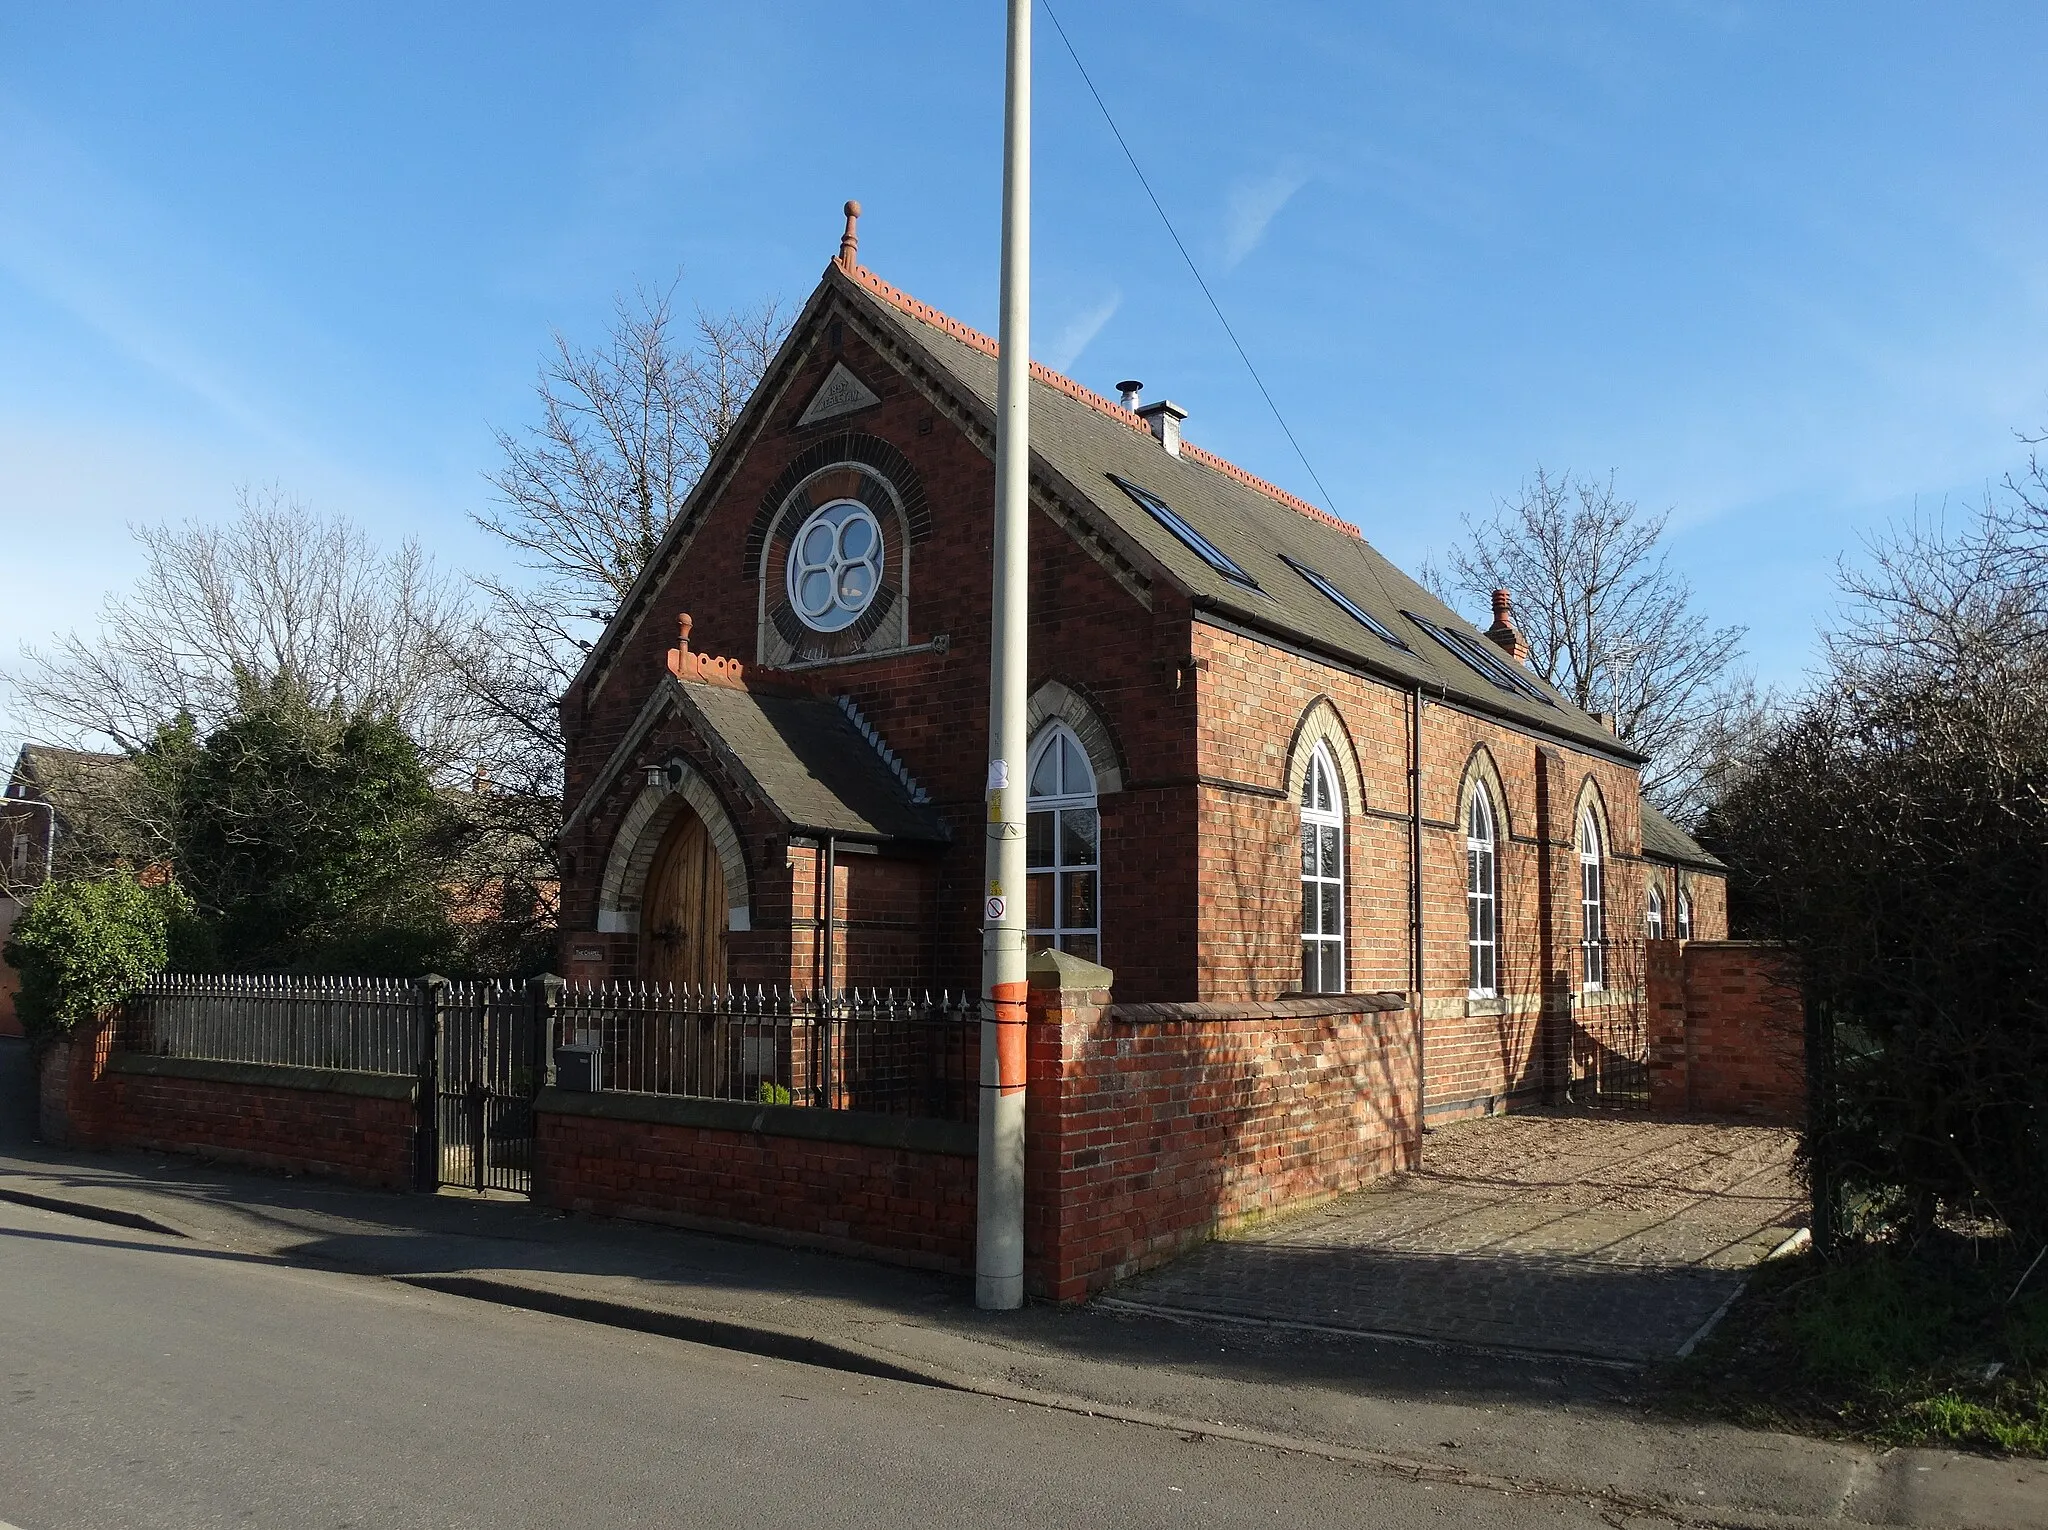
x,y
1263,759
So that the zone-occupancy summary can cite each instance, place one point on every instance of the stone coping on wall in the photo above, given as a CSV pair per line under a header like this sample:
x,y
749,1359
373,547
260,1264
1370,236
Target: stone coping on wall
x,y
1292,1007
906,1133
376,1086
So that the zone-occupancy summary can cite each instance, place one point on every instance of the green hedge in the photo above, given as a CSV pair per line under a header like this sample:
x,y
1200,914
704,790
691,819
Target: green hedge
x,y
83,946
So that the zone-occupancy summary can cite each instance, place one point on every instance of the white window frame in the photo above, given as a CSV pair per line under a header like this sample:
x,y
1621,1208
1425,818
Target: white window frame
x,y
1057,934
1314,822
1653,913
1482,897
1592,905
1684,914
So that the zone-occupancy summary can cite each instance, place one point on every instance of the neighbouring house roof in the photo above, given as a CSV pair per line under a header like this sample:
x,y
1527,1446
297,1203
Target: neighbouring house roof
x,y
1665,841
70,780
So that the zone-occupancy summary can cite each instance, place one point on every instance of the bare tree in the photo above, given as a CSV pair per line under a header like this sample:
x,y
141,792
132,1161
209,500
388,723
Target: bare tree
x,y
584,497
1607,622
1893,824
279,591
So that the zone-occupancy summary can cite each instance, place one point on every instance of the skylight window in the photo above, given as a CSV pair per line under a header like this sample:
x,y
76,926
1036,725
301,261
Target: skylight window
x,y
1473,652
1346,604
1195,542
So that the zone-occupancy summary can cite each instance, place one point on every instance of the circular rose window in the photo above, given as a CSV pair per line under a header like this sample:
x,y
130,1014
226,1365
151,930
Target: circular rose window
x,y
835,565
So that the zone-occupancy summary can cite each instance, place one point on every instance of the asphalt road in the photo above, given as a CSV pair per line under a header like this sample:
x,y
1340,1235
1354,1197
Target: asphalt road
x,y
151,1382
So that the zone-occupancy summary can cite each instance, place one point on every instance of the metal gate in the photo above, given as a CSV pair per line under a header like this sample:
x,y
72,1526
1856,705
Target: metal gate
x,y
476,1126
1608,1066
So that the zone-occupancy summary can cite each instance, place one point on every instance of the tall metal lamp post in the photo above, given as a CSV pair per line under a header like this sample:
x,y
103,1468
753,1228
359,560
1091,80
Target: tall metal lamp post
x,y
999,1231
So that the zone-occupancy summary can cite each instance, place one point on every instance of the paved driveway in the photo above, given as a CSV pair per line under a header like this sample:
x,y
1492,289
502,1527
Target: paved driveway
x,y
1608,1237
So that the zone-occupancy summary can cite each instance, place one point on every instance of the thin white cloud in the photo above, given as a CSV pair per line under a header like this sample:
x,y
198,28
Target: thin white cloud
x,y
98,251
1079,332
1251,208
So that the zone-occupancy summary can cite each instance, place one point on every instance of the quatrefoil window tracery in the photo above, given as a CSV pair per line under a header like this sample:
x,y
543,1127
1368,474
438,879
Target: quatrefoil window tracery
x,y
835,565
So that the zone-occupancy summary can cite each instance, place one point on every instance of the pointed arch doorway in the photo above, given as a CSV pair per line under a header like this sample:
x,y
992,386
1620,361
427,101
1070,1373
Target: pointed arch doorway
x,y
683,908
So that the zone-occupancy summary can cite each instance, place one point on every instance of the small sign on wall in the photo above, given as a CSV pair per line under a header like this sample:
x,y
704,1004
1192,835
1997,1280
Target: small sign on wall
x,y
587,954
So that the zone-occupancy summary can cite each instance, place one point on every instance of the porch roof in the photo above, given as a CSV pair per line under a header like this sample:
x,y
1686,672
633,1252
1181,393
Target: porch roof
x,y
805,758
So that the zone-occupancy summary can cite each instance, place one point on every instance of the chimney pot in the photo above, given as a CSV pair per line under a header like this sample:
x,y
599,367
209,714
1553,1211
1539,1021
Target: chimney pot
x,y
1130,392
1164,417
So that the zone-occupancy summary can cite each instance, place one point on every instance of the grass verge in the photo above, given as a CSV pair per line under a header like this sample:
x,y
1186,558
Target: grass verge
x,y
1897,1347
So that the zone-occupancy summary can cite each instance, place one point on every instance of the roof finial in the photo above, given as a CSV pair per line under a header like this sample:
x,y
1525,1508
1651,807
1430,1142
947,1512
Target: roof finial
x,y
849,242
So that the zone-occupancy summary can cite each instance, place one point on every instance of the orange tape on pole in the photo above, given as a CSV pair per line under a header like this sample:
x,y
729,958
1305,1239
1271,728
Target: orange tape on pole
x,y
1012,1032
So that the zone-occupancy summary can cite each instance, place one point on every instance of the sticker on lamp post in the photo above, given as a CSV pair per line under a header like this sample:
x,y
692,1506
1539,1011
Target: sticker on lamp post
x,y
996,906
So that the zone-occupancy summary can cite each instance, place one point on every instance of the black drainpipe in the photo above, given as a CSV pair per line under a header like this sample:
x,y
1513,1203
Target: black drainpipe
x,y
831,877
825,1058
1415,893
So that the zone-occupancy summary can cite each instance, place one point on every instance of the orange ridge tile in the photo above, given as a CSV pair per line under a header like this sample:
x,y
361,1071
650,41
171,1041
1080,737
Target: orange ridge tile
x,y
897,298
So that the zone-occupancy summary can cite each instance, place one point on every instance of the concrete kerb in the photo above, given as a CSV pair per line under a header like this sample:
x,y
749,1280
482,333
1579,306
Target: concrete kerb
x,y
785,1344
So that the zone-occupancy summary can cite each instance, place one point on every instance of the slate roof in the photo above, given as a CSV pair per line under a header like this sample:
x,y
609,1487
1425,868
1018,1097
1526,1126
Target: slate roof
x,y
68,779
1664,840
806,759
1083,438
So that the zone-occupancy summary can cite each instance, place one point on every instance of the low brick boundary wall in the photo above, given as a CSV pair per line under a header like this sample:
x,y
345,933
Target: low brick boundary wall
x,y
335,1124
883,1187
1727,1031
1150,1127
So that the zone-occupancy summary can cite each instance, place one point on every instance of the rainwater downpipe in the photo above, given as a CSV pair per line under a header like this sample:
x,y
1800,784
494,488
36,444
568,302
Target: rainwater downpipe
x,y
1415,893
831,877
831,849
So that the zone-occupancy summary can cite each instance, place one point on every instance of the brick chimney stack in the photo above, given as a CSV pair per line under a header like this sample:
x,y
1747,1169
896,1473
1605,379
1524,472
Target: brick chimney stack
x,y
1503,630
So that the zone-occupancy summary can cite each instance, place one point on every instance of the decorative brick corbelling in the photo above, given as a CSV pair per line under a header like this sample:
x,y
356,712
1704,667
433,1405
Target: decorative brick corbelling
x,y
924,312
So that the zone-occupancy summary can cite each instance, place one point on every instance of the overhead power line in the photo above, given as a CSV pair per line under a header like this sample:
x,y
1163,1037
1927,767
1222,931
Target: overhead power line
x,y
1328,501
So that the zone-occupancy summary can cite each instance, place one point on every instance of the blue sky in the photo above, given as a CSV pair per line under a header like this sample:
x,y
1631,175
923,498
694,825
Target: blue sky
x,y
1780,268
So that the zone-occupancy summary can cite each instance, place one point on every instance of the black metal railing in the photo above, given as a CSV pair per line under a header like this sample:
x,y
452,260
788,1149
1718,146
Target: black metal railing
x,y
884,1051
368,1025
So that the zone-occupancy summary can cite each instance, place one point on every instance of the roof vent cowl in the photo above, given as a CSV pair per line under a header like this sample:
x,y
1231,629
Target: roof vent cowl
x,y
1164,417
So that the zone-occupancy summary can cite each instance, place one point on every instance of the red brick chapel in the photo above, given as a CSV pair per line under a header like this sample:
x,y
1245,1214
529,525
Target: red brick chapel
x,y
1264,760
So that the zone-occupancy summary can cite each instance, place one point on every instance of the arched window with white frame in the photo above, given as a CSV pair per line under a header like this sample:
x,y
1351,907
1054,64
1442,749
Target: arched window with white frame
x,y
1684,914
1592,903
1653,913
1322,875
1482,896
1062,849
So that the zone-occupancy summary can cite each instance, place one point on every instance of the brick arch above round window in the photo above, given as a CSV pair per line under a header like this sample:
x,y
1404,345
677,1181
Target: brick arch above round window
x,y
849,448
1321,724
1056,701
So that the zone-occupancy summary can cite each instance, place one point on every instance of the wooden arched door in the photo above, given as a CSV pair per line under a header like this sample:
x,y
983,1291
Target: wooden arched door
x,y
683,909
